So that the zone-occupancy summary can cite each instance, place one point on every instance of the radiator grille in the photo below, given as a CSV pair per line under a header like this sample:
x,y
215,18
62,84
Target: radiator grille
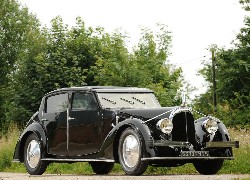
x,y
183,128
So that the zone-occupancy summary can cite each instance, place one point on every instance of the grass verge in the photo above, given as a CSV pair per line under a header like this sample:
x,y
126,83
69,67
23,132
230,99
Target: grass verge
x,y
241,164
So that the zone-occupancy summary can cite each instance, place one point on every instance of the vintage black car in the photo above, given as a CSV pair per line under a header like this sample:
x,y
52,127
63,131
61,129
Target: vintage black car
x,y
107,125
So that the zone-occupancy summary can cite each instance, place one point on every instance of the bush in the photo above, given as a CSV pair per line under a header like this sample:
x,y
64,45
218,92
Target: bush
x,y
7,146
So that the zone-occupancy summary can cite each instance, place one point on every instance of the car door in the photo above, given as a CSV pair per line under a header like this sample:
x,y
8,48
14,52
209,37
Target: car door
x,y
55,122
85,124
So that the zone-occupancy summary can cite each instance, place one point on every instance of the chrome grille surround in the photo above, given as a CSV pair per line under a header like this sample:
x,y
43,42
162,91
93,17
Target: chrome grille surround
x,y
183,126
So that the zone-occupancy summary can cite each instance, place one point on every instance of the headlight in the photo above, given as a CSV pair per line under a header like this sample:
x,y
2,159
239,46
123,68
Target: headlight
x,y
210,125
165,125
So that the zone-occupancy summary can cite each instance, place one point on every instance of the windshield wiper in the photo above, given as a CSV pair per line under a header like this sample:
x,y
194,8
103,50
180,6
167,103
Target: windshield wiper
x,y
109,100
138,100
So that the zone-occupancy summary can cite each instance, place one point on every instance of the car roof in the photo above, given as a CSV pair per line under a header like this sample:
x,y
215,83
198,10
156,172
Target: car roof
x,y
102,89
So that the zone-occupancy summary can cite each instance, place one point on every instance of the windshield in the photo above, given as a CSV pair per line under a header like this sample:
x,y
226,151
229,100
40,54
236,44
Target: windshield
x,y
128,100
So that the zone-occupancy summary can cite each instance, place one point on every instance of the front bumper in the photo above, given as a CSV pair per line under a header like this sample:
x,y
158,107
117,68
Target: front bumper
x,y
216,144
184,158
213,144
187,153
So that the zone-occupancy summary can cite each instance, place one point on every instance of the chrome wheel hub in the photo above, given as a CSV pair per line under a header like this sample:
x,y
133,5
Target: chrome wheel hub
x,y
130,151
33,153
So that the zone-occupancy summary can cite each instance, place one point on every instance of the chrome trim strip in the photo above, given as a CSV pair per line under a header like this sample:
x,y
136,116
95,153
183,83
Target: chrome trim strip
x,y
213,144
157,116
184,158
172,114
171,143
78,160
179,110
67,129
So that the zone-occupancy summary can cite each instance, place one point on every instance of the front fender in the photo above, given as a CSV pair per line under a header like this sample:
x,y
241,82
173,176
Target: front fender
x,y
109,148
34,127
222,133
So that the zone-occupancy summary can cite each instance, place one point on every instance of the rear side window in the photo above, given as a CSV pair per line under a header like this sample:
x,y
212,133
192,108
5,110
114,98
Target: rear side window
x,y
57,103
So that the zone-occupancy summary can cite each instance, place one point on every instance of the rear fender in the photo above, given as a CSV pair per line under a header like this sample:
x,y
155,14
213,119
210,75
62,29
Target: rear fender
x,y
35,128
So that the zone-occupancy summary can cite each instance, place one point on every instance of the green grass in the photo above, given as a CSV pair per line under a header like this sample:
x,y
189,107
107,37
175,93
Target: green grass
x,y
241,164
7,146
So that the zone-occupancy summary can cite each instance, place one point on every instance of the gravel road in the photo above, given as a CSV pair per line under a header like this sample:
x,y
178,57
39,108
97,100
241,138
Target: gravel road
x,y
18,176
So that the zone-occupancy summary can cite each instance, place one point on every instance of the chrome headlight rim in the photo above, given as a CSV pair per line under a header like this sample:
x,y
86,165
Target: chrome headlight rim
x,y
210,125
165,125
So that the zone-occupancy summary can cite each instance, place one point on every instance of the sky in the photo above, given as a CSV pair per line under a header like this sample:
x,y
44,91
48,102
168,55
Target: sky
x,y
195,24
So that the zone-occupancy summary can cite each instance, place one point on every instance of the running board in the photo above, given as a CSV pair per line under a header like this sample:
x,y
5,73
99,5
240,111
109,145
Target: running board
x,y
77,160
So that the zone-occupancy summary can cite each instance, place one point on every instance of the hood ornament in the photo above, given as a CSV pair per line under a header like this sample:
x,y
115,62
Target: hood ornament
x,y
183,99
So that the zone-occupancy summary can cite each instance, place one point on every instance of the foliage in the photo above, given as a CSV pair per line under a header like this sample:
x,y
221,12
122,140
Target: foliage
x,y
54,58
146,66
7,145
36,60
233,79
16,23
246,4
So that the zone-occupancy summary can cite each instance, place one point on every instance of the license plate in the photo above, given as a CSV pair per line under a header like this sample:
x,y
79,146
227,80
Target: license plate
x,y
194,154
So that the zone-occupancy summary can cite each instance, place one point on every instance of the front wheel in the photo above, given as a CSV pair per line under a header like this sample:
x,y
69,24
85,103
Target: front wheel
x,y
32,156
208,167
131,151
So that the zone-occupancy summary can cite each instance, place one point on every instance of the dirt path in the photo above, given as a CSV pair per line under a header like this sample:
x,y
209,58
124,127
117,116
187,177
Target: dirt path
x,y
18,176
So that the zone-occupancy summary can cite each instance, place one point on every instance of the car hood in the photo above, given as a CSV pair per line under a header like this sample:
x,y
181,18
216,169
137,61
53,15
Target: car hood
x,y
145,114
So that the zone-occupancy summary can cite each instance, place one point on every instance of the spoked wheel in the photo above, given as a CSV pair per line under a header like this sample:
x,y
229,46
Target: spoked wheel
x,y
32,156
208,167
101,167
131,151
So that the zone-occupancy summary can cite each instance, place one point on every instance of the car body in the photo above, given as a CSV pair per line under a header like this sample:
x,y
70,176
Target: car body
x,y
106,125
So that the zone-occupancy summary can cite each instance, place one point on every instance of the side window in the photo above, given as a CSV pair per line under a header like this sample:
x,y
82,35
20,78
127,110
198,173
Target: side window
x,y
57,103
84,101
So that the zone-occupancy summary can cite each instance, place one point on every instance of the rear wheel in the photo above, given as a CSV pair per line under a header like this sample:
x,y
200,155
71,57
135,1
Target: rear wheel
x,y
101,167
209,166
131,151
32,156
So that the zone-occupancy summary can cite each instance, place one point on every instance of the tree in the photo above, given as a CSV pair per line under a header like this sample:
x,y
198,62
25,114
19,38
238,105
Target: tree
x,y
54,58
15,25
44,59
246,4
146,66
233,78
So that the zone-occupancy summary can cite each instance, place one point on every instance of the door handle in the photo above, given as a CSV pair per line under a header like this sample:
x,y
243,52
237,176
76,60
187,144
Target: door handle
x,y
45,119
70,118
